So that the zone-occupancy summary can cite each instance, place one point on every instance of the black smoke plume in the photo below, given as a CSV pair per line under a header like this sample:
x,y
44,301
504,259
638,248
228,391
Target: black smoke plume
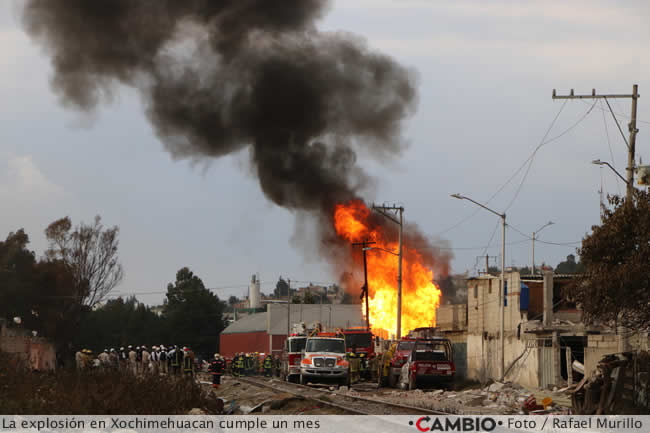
x,y
220,75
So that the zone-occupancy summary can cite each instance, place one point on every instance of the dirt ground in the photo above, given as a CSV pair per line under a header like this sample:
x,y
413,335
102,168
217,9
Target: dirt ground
x,y
242,398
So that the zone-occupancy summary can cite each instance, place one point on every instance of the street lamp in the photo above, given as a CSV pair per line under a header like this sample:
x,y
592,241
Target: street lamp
x,y
503,274
537,232
601,163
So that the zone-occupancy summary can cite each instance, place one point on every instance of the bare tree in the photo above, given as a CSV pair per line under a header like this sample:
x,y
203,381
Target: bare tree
x,y
90,251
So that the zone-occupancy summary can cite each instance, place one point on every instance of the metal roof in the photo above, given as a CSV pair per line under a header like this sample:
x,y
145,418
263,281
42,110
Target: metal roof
x,y
248,323
274,320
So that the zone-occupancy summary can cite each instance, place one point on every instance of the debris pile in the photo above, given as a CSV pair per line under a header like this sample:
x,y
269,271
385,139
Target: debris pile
x,y
620,384
502,398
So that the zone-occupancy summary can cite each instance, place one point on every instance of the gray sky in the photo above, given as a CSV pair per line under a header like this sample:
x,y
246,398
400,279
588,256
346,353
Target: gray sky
x,y
486,72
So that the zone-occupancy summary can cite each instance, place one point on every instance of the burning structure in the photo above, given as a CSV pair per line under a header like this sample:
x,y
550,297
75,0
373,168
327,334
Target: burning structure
x,y
219,76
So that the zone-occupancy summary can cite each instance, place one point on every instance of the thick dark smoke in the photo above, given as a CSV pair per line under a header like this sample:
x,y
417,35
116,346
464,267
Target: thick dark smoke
x,y
221,75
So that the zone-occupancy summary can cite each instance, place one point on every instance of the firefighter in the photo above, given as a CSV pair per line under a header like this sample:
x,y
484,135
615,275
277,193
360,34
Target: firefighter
x,y
384,365
256,363
354,366
238,369
146,359
124,357
363,366
188,362
217,367
278,365
268,366
177,360
162,359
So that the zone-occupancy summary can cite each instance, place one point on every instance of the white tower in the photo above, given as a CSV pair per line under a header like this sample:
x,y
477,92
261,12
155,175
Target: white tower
x,y
254,296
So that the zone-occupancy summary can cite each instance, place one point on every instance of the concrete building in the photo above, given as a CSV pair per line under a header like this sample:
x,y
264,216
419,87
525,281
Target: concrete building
x,y
543,332
267,331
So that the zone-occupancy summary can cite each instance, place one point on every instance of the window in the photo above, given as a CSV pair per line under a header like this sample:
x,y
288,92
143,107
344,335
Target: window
x,y
490,285
476,291
325,345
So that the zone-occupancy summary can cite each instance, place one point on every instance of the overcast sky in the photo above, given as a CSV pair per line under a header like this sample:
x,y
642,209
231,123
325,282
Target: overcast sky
x,y
486,72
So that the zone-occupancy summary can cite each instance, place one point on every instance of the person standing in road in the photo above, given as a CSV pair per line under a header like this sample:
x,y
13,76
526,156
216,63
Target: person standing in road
x,y
133,361
163,359
268,365
146,361
217,366
188,362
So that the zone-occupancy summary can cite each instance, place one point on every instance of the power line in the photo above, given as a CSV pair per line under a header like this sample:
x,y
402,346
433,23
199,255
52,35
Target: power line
x,y
542,143
529,159
528,238
609,144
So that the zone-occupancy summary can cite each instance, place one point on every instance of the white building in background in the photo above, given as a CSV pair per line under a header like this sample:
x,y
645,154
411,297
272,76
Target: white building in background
x,y
254,294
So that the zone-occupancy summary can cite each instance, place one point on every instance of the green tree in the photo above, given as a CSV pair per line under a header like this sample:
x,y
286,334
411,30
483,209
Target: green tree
x,y
281,289
569,266
16,277
615,284
309,298
233,300
195,314
122,322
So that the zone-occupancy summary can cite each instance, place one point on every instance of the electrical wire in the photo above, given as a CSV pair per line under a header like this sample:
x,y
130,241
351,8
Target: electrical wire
x,y
531,158
611,152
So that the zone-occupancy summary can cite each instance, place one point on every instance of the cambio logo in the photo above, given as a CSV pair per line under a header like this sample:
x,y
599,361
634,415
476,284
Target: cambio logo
x,y
463,424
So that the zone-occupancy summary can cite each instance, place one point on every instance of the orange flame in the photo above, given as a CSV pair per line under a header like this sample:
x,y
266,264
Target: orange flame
x,y
420,295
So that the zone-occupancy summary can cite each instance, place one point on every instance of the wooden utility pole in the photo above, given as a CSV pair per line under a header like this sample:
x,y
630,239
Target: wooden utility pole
x,y
364,290
487,262
631,143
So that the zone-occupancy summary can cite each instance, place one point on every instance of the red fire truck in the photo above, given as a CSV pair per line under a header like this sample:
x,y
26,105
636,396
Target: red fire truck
x,y
294,347
360,340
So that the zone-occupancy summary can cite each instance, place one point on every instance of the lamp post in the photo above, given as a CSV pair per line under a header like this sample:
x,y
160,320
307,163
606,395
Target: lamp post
x,y
503,276
535,233
601,163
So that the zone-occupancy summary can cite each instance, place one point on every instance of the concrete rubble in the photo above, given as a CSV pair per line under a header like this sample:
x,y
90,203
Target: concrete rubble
x,y
501,398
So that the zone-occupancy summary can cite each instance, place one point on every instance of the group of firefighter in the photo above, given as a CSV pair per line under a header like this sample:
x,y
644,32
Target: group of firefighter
x,y
140,360
254,364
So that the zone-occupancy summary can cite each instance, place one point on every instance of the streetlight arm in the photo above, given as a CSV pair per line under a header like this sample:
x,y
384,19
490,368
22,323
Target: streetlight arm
x,y
462,197
599,162
543,227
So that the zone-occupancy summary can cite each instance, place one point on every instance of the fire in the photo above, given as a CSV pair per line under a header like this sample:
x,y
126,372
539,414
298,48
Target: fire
x,y
420,295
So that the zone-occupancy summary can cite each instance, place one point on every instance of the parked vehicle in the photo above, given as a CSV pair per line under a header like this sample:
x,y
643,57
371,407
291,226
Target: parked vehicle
x,y
324,359
400,357
291,357
360,341
430,361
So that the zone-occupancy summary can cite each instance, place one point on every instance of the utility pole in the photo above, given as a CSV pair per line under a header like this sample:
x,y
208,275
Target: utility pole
x,y
364,289
631,144
487,262
535,233
384,210
288,307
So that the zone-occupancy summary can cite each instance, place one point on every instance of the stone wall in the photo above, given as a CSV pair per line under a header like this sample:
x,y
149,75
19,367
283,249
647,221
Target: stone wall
x,y
38,352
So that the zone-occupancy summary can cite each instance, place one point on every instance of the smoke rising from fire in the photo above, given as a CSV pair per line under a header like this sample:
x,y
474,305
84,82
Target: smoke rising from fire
x,y
218,76
221,75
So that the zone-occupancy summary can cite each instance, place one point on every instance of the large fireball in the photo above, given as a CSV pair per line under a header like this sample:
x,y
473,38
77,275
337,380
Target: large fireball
x,y
420,295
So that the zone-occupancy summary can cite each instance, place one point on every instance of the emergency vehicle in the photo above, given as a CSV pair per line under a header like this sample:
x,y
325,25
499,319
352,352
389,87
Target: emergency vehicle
x,y
404,355
294,347
360,341
324,359
430,361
